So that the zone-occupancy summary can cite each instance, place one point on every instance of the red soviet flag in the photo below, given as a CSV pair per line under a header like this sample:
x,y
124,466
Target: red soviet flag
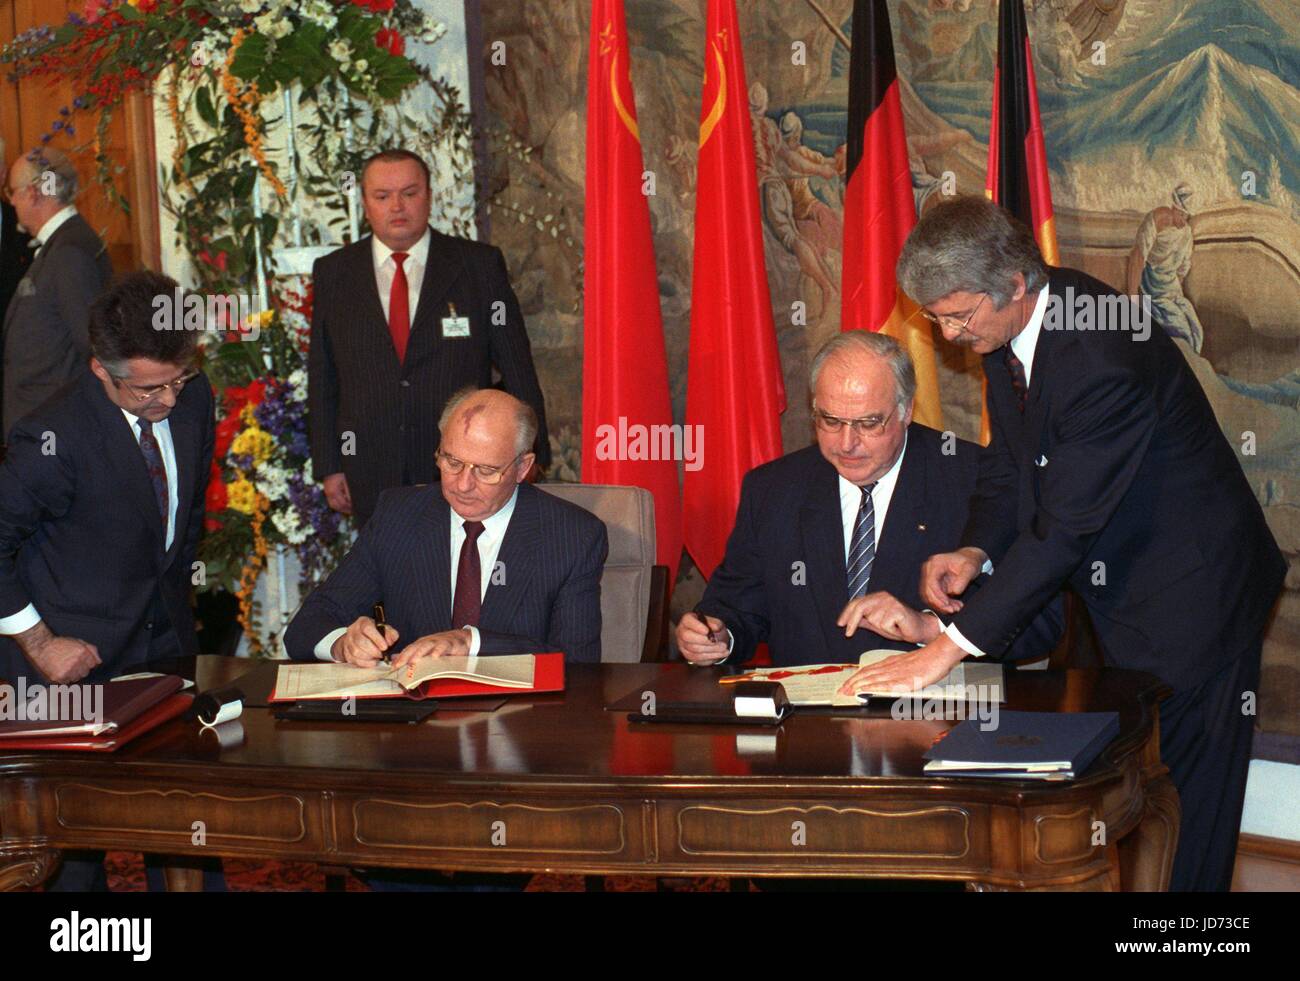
x,y
734,391
624,368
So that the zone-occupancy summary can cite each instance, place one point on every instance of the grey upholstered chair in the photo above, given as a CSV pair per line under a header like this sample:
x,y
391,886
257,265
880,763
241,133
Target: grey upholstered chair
x,y
632,590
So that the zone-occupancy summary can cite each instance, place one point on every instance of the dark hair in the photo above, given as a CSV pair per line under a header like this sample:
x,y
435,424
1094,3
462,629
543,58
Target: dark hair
x,y
136,317
395,155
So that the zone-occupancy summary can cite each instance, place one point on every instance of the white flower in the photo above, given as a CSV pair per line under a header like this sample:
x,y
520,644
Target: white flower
x,y
298,381
250,6
361,65
341,52
273,481
288,524
318,12
272,26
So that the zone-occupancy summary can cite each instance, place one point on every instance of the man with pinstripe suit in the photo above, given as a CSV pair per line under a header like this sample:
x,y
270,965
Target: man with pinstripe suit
x,y
400,320
480,563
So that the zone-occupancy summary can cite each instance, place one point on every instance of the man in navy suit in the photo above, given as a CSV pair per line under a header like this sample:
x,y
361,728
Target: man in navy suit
x,y
479,563
1107,470
824,559
101,509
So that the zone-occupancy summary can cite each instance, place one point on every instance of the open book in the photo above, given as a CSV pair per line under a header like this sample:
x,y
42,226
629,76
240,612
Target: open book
x,y
818,684
427,677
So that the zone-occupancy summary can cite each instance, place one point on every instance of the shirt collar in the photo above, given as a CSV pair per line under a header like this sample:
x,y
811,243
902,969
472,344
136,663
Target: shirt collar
x,y
884,488
56,222
419,252
1025,343
493,525
133,421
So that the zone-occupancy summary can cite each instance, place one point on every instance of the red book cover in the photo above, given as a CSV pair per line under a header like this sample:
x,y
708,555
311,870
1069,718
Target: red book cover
x,y
548,676
161,713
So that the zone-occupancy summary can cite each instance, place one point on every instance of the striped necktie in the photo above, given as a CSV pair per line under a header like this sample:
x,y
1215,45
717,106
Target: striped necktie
x,y
862,546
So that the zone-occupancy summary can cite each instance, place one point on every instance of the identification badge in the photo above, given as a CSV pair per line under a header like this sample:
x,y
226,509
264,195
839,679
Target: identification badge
x,y
454,326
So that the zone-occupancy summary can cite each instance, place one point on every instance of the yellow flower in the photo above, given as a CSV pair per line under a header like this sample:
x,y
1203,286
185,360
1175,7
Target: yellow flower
x,y
241,496
254,442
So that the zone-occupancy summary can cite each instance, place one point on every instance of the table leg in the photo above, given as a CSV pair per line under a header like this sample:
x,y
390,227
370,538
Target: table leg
x,y
1147,852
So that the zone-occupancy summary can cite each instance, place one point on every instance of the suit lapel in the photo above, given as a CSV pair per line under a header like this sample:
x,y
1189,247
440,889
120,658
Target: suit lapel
x,y
185,441
441,268
431,582
522,541
364,287
899,535
821,531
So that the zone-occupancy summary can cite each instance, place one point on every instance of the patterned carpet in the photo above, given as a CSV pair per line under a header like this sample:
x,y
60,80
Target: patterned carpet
x,y
126,874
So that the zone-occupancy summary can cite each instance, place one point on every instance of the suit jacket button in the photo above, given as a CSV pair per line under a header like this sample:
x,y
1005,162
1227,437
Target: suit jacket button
x,y
406,383
149,625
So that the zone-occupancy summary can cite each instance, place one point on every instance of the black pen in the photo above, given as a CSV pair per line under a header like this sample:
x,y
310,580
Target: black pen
x,y
705,620
381,624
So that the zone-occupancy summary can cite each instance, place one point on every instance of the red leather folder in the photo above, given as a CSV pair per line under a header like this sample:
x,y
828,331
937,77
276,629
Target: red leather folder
x,y
151,719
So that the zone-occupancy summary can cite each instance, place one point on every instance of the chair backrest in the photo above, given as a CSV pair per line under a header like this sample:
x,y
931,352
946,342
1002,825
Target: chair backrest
x,y
629,516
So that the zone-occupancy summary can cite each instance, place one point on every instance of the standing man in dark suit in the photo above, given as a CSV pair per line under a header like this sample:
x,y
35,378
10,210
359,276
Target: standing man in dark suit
x,y
479,563
401,320
1107,470
45,339
101,508
824,559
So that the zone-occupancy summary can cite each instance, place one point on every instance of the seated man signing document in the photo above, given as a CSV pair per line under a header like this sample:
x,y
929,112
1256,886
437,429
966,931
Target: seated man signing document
x,y
479,563
824,561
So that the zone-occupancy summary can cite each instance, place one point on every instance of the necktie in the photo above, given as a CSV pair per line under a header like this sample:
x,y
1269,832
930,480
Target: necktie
x,y
862,546
467,604
399,307
1016,368
153,460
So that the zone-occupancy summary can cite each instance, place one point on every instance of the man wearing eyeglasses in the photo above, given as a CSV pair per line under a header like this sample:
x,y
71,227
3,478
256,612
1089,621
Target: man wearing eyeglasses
x,y
101,509
825,556
1108,471
45,325
479,563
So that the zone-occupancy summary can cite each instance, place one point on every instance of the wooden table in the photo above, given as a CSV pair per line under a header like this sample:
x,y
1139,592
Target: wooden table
x,y
559,784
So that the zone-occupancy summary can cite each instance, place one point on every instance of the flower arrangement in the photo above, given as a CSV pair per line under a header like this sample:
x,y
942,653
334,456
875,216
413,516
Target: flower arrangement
x,y
274,105
260,492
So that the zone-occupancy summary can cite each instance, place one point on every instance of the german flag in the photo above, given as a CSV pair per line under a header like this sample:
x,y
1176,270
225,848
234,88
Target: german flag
x,y
879,206
1017,171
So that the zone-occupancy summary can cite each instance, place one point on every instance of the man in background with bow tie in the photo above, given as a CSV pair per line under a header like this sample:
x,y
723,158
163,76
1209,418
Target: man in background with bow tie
x,y
1108,471
45,338
400,320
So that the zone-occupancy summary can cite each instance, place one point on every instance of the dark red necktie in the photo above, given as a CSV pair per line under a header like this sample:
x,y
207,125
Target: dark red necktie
x,y
154,461
468,601
399,307
1016,368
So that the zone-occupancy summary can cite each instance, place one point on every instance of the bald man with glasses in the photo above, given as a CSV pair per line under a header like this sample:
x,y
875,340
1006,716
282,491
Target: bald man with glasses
x,y
480,562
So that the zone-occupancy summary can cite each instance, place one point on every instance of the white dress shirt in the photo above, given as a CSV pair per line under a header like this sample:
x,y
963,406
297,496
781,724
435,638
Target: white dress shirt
x,y
489,547
386,269
28,617
50,227
1023,346
850,501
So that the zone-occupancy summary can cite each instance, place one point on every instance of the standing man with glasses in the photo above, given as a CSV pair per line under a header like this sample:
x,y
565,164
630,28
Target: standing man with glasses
x,y
480,563
400,320
45,327
101,509
825,556
1107,471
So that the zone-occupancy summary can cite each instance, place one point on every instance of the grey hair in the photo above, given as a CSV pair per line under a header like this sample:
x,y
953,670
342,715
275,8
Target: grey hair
x,y
48,160
525,417
878,345
972,245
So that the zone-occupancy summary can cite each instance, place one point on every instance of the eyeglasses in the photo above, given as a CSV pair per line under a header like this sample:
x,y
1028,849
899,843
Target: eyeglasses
x,y
489,475
870,426
145,394
943,320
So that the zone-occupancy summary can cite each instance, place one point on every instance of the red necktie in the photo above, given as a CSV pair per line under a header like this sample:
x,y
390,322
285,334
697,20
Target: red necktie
x,y
467,604
399,307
